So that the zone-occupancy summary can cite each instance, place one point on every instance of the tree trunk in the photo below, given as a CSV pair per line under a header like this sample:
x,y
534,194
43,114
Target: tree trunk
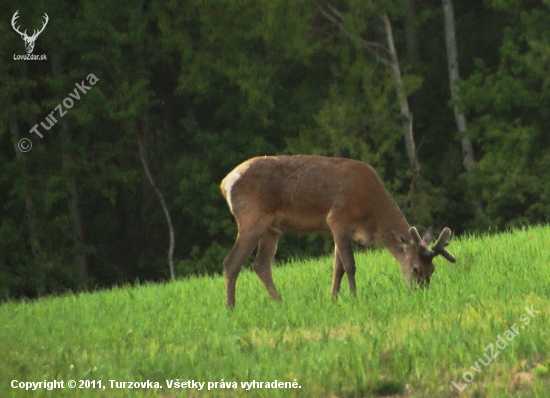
x,y
406,116
29,202
388,56
452,62
411,33
160,196
32,223
75,217
146,128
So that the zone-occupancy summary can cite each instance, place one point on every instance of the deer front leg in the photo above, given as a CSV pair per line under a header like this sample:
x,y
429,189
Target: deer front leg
x,y
233,262
345,253
251,230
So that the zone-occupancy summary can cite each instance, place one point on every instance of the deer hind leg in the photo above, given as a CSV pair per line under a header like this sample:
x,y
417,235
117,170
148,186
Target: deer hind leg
x,y
338,273
247,239
267,246
345,253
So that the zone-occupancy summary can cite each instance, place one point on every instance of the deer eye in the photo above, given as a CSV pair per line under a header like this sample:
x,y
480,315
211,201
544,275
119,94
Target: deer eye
x,y
415,270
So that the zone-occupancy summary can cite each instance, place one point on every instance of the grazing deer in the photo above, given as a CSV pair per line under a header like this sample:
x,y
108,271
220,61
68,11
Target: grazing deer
x,y
272,194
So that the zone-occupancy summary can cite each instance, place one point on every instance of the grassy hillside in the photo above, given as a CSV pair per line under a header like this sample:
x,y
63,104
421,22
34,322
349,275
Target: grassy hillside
x,y
388,340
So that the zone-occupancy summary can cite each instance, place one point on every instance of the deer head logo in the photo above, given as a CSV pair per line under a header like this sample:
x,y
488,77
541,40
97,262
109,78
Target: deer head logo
x,y
29,40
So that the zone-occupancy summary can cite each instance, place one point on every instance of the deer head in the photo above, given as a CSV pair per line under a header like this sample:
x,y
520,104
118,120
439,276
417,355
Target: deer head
x,y
417,263
29,40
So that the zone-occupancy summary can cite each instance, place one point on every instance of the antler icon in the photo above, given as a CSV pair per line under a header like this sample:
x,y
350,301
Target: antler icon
x,y
29,40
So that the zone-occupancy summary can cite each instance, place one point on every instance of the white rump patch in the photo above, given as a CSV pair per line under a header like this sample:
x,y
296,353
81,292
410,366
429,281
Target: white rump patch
x,y
232,178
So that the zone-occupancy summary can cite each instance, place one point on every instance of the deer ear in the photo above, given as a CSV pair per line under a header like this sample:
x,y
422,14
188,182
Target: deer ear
x,y
428,236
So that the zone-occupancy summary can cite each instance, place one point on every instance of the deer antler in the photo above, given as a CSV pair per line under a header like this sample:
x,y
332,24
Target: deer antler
x,y
15,16
423,242
442,243
35,32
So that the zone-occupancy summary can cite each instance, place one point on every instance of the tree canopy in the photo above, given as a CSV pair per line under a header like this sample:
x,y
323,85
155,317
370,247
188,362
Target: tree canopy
x,y
207,84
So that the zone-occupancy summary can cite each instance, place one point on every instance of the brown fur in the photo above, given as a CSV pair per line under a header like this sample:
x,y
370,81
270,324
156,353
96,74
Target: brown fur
x,y
273,194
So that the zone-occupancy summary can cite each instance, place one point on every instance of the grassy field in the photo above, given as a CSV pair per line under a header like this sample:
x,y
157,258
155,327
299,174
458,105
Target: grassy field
x,y
387,341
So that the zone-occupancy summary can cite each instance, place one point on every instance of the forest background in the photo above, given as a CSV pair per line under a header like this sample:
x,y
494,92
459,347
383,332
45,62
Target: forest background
x,y
183,91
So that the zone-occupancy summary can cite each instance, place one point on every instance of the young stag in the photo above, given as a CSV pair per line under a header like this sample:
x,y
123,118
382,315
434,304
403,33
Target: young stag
x,y
272,194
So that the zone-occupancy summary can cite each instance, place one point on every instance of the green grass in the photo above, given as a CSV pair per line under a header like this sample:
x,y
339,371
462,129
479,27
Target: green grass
x,y
387,341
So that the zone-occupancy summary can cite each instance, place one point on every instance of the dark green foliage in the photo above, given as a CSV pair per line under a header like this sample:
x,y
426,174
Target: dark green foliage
x,y
209,84
509,104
